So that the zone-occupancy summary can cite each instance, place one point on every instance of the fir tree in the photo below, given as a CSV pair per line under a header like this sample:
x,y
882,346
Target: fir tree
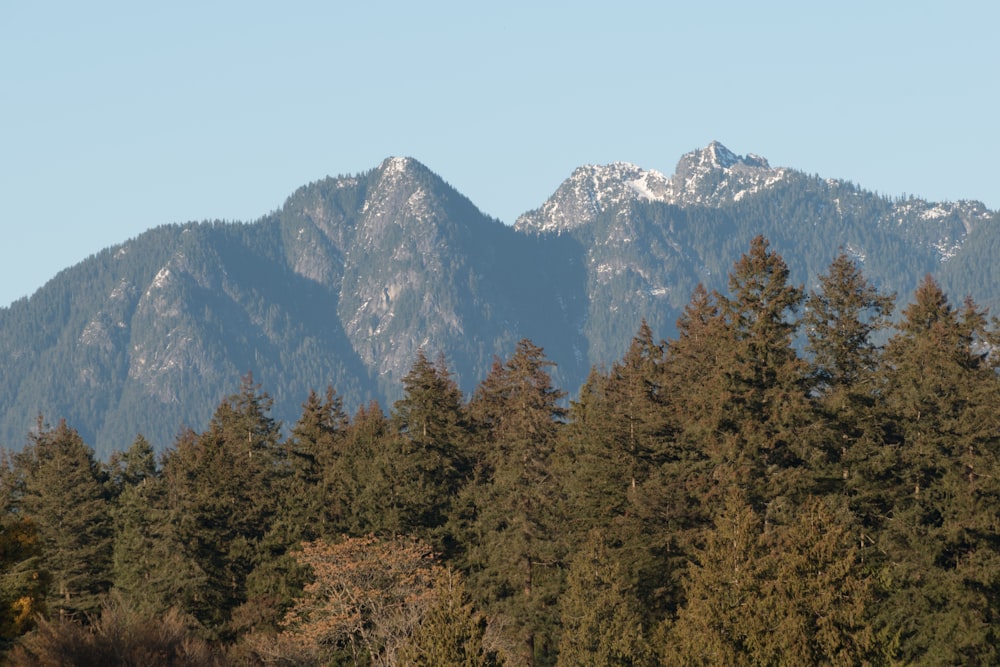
x,y
840,321
311,505
430,445
939,484
514,547
63,491
452,633
602,624
792,594
751,421
23,584
222,486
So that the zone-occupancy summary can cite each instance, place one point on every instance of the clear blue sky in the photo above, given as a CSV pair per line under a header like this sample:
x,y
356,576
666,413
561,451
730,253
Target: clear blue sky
x,y
116,117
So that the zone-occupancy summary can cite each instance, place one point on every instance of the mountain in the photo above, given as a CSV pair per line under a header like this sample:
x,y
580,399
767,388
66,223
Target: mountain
x,y
353,274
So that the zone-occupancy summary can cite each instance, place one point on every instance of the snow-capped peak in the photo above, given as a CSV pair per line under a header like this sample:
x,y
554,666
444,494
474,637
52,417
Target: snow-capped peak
x,y
720,156
706,176
591,190
396,165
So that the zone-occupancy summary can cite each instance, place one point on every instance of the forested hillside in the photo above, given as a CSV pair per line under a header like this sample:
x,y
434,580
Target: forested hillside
x,y
352,275
721,497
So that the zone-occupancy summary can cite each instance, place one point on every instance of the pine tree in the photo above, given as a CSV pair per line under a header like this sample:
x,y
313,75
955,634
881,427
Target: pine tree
x,y
131,467
23,584
766,378
430,445
694,381
367,483
616,436
840,321
150,564
310,504
618,467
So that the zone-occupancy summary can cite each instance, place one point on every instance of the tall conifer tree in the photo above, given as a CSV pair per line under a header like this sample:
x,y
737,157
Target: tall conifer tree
x,y
64,492
513,539
222,486
740,390
941,487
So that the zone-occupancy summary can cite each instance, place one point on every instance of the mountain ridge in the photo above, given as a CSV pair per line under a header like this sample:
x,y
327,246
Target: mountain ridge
x,y
353,274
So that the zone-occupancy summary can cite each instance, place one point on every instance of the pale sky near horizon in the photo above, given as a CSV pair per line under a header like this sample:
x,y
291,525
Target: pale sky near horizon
x,y
116,117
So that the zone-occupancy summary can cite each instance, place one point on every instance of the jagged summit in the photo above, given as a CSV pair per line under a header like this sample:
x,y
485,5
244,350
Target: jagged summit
x,y
401,165
716,156
591,190
707,176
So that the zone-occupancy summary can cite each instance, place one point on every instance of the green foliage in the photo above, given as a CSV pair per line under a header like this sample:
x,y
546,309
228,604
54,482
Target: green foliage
x,y
715,499
600,615
758,595
310,505
222,505
743,410
840,321
62,490
942,416
451,633
513,541
23,585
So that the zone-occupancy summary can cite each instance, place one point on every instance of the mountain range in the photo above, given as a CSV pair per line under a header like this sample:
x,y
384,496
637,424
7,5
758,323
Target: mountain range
x,y
353,275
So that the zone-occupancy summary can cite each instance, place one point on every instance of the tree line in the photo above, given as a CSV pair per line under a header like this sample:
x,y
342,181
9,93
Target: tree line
x,y
772,486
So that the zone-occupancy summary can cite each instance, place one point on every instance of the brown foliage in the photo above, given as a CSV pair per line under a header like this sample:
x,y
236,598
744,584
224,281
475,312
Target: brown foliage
x,y
118,637
367,596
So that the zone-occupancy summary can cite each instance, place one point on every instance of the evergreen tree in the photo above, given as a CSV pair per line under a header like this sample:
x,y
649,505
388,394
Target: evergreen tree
x,y
222,486
615,465
693,378
429,448
601,621
616,435
367,475
697,396
751,421
513,538
636,394
23,585
310,505
452,633
840,320
150,564
133,466
63,491
792,594
940,484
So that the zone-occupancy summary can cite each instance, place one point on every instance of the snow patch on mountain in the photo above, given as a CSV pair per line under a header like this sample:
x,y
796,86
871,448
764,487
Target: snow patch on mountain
x,y
710,177
944,226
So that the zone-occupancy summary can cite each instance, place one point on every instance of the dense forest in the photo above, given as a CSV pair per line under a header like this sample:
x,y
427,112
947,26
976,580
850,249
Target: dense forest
x,y
795,478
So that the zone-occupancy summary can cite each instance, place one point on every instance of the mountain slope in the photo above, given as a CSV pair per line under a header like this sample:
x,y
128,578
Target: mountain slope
x,y
353,274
